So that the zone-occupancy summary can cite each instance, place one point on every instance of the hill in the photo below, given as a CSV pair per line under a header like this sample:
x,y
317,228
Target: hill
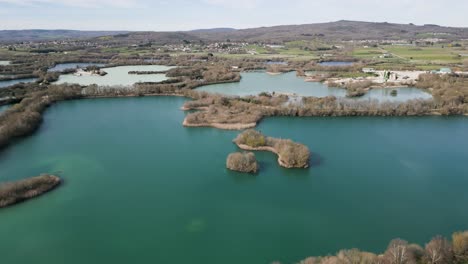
x,y
12,36
213,30
340,30
343,30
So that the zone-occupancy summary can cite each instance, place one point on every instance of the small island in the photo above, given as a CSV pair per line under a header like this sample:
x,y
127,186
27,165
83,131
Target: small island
x,y
242,162
15,192
290,154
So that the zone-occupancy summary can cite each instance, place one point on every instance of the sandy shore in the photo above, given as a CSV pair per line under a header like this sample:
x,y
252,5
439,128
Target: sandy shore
x,y
201,108
274,73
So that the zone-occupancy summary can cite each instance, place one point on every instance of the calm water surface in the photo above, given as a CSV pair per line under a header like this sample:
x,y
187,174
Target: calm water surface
x,y
336,63
140,188
16,81
253,83
276,63
118,76
4,107
3,63
73,65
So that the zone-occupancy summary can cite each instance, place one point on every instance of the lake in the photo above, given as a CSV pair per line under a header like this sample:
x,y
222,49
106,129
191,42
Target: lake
x,y
118,76
4,107
253,83
3,63
16,81
336,63
73,65
141,188
276,63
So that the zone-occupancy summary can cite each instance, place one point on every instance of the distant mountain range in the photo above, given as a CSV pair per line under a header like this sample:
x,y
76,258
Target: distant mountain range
x,y
213,30
340,30
11,36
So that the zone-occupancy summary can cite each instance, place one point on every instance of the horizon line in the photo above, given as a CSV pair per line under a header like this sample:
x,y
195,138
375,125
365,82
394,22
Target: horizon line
x,y
233,28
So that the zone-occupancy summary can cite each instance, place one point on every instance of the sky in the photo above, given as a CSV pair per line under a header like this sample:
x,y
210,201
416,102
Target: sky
x,y
172,15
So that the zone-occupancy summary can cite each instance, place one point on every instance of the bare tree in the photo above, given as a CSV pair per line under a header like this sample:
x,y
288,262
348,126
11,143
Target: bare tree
x,y
460,246
397,252
352,256
438,251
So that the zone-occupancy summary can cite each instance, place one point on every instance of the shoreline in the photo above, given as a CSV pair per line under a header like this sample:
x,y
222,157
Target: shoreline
x,y
225,126
269,149
201,108
274,73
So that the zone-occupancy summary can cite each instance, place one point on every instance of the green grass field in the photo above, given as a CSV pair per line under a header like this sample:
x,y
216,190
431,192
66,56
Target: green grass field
x,y
436,54
367,53
421,58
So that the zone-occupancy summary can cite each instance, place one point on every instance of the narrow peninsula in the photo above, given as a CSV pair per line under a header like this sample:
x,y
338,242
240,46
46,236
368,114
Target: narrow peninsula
x,y
15,192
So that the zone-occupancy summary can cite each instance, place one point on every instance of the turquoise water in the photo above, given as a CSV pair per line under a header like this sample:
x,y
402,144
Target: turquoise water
x,y
16,81
253,83
141,188
64,66
4,107
118,76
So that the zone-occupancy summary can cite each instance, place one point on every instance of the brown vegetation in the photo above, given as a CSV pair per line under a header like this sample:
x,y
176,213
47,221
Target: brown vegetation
x,y
250,110
278,68
25,117
242,162
460,246
438,251
290,154
15,192
450,92
357,89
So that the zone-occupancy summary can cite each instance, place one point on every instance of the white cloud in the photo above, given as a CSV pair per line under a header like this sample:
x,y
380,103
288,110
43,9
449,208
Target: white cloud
x,y
75,3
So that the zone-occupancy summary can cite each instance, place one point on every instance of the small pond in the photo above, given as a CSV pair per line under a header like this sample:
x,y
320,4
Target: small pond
x,y
253,83
276,63
336,63
118,76
4,108
15,81
72,65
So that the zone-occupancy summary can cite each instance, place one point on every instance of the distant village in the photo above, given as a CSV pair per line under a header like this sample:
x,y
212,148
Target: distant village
x,y
226,47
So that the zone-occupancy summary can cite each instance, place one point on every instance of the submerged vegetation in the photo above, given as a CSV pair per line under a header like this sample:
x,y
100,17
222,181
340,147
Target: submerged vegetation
x,y
290,154
242,162
438,251
15,192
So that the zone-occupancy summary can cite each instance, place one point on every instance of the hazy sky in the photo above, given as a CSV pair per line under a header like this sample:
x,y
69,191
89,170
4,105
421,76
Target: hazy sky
x,y
167,15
